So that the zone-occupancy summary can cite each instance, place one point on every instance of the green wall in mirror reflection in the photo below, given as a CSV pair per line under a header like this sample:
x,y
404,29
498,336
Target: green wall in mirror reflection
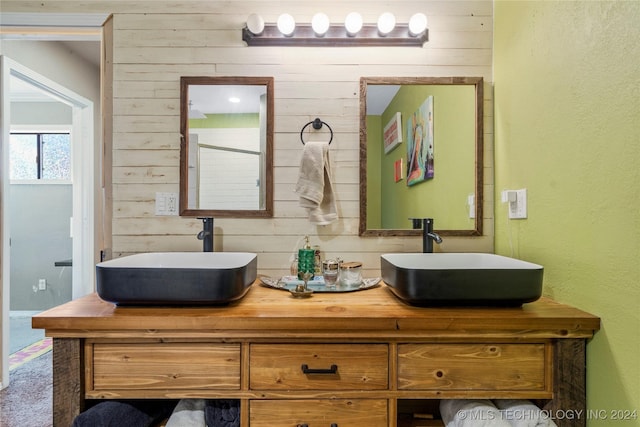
x,y
230,120
445,196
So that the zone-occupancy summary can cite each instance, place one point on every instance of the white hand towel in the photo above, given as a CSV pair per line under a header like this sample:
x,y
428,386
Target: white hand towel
x,y
523,413
470,413
314,184
188,413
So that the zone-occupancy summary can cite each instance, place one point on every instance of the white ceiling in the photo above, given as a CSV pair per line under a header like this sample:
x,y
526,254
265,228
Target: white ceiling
x,y
214,99
379,97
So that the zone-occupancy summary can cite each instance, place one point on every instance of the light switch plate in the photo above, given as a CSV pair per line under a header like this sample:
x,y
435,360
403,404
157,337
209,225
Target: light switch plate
x,y
471,202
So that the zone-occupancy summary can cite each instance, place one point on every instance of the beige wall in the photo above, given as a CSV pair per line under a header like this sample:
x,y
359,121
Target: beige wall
x,y
154,43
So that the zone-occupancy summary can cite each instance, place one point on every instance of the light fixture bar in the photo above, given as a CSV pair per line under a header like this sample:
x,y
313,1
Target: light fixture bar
x,y
336,36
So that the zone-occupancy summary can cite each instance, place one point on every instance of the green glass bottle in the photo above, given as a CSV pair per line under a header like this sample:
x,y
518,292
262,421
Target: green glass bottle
x,y
306,260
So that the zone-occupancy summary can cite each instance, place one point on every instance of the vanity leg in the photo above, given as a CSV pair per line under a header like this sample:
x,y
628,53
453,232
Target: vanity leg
x,y
392,411
68,386
569,382
244,412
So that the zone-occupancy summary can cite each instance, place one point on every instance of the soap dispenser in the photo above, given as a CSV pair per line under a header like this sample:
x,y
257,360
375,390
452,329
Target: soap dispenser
x,y
306,260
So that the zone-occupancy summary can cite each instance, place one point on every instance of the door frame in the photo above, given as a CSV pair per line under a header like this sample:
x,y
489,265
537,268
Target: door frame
x,y
83,179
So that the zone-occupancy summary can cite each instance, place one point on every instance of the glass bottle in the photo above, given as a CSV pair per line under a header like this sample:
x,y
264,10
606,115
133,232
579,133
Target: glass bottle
x,y
317,261
294,266
306,260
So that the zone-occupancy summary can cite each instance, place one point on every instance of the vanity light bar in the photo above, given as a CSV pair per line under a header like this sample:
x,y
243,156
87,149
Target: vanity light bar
x,y
257,33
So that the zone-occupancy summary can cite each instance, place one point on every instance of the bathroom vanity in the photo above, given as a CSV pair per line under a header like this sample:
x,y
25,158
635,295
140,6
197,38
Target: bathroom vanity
x,y
353,359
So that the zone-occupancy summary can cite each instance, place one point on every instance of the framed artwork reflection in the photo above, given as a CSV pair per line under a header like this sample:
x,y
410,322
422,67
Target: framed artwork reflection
x,y
392,133
420,158
398,170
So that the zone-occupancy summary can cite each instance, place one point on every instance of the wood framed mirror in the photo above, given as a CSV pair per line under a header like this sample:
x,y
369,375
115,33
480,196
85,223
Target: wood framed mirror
x,y
226,148
398,114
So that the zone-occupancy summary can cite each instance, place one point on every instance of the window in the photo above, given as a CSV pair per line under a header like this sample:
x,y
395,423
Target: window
x,y
45,156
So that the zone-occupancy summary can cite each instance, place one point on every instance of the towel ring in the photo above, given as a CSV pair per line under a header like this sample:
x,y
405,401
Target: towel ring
x,y
317,124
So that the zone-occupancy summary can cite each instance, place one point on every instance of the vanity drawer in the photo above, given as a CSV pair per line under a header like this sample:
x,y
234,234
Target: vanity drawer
x,y
318,413
472,367
319,367
164,366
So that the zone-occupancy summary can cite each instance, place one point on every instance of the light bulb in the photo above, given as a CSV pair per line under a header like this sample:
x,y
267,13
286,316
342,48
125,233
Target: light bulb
x,y
255,24
286,24
386,23
417,24
320,24
353,23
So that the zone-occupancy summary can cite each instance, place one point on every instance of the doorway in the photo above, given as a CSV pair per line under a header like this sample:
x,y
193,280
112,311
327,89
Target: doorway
x,y
80,226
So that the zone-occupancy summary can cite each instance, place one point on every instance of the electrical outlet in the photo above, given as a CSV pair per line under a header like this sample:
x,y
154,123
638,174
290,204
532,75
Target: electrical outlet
x,y
42,284
166,203
518,207
471,202
517,200
172,204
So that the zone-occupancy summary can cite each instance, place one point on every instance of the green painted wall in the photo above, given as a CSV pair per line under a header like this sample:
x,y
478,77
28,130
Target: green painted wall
x,y
567,128
444,197
248,120
374,154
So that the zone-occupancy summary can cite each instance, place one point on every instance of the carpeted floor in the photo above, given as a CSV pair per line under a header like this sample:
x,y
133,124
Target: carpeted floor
x,y
27,402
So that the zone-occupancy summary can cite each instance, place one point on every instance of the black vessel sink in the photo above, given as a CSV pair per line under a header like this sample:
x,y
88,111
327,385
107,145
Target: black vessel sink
x,y
176,278
464,279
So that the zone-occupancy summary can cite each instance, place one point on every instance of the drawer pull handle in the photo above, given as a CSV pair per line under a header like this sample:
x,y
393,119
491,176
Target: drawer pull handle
x,y
332,370
307,425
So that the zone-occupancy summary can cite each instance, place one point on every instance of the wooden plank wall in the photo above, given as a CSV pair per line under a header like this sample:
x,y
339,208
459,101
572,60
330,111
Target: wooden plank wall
x,y
154,43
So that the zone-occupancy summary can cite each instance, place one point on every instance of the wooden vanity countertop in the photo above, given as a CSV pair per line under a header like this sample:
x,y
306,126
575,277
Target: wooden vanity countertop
x,y
265,312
